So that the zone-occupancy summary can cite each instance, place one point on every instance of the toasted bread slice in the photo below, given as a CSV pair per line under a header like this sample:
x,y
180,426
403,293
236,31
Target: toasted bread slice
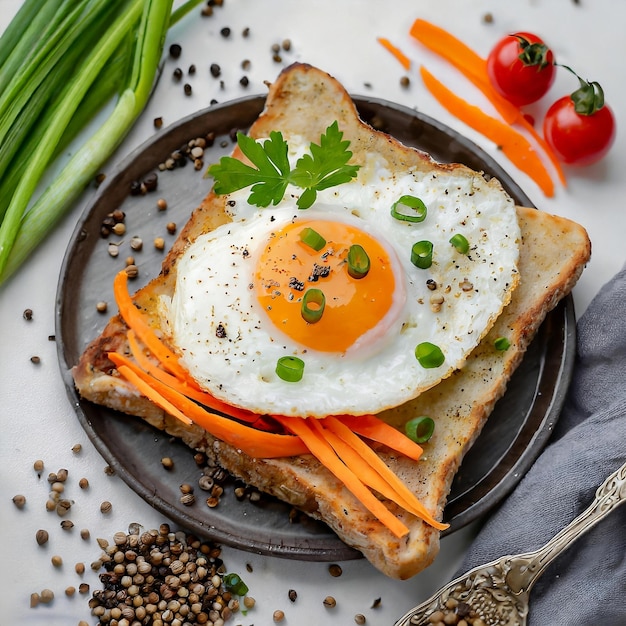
x,y
553,252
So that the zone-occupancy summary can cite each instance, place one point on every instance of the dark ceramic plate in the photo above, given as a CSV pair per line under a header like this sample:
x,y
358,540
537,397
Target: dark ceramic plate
x,y
510,442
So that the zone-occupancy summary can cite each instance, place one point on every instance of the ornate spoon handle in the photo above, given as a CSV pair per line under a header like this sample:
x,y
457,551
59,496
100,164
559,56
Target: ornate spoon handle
x,y
525,569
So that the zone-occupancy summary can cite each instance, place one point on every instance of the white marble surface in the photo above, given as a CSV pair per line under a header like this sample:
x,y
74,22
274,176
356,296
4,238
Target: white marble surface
x,y
339,36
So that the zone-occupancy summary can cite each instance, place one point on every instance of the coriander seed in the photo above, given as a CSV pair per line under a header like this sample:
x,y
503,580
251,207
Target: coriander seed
x,y
335,570
19,501
161,204
67,524
167,462
79,568
46,596
42,537
38,465
77,448
34,600
106,507
70,591
83,483
330,602
278,616
159,243
56,560
85,534
359,618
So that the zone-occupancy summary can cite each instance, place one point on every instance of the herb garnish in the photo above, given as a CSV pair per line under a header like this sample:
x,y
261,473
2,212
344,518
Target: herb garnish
x,y
326,166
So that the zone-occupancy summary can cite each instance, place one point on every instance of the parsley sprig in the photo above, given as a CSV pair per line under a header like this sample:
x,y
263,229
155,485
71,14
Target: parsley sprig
x,y
326,165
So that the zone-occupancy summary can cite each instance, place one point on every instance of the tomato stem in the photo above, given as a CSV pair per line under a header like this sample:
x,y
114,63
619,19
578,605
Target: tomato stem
x,y
589,97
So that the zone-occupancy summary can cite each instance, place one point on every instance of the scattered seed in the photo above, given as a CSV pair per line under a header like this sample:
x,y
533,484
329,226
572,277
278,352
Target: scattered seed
x,y
19,501
187,499
79,568
246,64
167,462
38,465
405,82
67,524
34,600
161,204
42,537
187,89
83,588
56,560
175,50
106,507
85,534
35,359
102,306
215,70
70,591
136,243
113,250
488,18
28,314
158,122
359,618
286,45
109,471
377,602
46,596
244,81
77,448
129,260
132,271
249,602
159,243
225,32
171,227
335,570
278,616
293,595
330,602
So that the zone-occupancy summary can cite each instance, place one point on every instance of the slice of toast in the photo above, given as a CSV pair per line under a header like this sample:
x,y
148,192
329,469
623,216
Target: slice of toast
x,y
553,252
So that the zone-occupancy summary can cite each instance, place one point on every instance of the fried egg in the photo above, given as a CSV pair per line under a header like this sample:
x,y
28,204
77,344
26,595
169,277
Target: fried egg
x,y
237,309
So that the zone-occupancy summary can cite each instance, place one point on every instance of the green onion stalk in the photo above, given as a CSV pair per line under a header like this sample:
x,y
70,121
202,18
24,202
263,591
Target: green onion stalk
x,y
65,73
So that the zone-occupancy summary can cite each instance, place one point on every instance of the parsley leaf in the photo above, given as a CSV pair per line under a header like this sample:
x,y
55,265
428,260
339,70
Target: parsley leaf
x,y
326,166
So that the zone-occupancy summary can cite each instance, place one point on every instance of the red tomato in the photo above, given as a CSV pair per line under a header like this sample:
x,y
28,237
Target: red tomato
x,y
578,139
521,68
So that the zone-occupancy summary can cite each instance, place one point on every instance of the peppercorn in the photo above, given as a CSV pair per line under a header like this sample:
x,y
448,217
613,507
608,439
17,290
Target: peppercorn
x,y
28,314
215,70
175,50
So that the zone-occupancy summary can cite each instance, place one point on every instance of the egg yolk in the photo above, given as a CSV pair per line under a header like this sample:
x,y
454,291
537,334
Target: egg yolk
x,y
288,267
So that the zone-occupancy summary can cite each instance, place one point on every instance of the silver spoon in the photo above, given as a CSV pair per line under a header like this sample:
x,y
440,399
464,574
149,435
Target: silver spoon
x,y
497,592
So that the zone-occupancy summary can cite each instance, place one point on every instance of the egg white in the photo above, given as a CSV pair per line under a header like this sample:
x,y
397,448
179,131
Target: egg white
x,y
231,348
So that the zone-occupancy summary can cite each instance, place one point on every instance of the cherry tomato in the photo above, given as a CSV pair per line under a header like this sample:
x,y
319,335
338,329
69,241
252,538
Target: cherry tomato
x,y
578,139
521,68
580,128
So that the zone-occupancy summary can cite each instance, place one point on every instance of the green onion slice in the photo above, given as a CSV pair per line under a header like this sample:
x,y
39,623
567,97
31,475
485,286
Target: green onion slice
x,y
312,238
460,243
418,207
422,254
290,368
234,584
313,304
358,261
429,355
502,344
420,429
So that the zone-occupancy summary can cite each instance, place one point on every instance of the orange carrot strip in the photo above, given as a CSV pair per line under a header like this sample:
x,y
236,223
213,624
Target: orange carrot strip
x,y
255,443
400,56
367,461
322,450
135,320
374,428
514,145
183,387
474,68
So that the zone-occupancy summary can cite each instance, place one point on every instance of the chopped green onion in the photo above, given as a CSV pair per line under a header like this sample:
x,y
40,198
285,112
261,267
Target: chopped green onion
x,y
422,254
290,368
234,584
502,344
312,238
429,355
315,297
420,429
460,243
410,202
358,261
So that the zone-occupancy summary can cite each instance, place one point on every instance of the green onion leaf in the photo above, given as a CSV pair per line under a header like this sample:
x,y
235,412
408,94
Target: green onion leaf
x,y
290,368
409,202
312,238
460,243
234,584
358,261
420,429
429,355
422,254
502,344
313,304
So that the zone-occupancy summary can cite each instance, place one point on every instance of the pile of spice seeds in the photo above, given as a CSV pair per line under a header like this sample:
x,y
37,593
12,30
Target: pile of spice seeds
x,y
162,577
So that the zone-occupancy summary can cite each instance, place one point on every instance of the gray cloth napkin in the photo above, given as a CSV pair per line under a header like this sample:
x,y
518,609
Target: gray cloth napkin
x,y
586,584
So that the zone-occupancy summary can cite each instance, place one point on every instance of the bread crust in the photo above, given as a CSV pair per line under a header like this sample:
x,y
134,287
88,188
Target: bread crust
x,y
553,253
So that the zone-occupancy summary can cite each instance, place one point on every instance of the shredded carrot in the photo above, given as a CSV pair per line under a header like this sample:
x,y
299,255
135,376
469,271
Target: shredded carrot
x,y
373,428
474,68
135,320
365,462
255,443
512,143
322,450
400,56
183,387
